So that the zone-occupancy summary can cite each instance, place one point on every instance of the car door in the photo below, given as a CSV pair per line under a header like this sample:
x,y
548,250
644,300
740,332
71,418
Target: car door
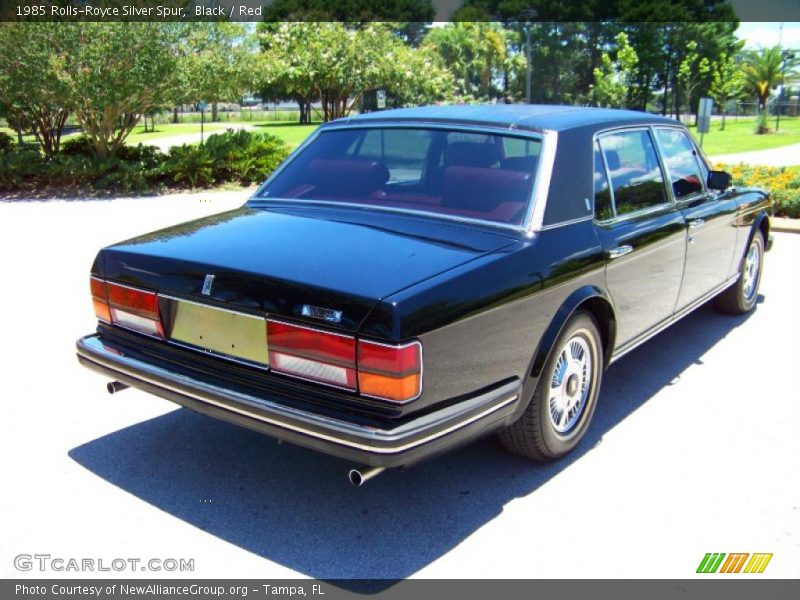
x,y
710,216
641,230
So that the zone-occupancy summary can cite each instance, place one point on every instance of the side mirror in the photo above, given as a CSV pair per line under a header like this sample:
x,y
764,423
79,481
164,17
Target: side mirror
x,y
719,180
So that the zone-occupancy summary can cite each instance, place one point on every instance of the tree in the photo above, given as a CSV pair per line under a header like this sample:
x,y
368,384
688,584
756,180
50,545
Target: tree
x,y
692,72
473,52
30,88
335,65
727,84
613,79
220,63
115,73
763,72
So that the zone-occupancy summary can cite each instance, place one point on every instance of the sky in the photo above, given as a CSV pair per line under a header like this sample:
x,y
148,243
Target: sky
x,y
761,35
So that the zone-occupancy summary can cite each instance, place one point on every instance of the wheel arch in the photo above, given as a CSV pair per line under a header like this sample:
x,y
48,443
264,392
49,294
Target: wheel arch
x,y
591,299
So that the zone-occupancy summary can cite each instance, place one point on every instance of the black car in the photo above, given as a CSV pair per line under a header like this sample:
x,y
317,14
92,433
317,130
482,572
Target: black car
x,y
414,279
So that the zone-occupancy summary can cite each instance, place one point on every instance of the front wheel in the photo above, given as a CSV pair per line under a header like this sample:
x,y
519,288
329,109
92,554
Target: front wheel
x,y
563,403
740,298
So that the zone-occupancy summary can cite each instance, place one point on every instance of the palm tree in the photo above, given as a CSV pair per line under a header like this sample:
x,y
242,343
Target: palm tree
x,y
764,71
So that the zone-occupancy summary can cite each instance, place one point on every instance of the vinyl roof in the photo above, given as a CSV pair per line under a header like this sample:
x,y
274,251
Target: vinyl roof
x,y
522,116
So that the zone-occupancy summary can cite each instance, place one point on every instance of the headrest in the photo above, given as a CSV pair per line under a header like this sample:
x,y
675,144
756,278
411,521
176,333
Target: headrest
x,y
470,154
347,177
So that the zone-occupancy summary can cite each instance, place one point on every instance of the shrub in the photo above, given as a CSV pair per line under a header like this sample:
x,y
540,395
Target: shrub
x,y
783,184
229,156
20,167
79,145
189,163
6,142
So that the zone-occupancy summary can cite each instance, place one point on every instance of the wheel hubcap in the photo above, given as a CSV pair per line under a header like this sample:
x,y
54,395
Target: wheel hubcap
x,y
752,263
571,384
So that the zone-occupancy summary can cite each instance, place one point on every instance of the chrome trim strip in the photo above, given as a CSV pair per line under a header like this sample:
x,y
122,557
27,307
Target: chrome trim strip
x,y
565,223
115,366
541,186
674,318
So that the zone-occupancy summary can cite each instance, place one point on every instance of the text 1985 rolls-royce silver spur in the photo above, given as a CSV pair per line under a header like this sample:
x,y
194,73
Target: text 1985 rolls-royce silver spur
x,y
410,280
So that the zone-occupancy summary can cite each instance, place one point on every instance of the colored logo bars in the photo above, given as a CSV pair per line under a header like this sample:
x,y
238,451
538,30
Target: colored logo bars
x,y
734,562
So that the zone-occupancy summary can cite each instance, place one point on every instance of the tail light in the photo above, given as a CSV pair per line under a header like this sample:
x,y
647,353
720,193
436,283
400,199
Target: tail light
x,y
390,372
127,307
376,370
312,354
100,299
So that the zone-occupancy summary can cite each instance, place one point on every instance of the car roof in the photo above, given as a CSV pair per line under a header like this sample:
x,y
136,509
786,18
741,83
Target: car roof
x,y
535,117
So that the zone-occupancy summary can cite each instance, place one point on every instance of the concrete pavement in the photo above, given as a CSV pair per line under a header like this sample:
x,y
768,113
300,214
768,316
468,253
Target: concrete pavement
x,y
694,449
784,156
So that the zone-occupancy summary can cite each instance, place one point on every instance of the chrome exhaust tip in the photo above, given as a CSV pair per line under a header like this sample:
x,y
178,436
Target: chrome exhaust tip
x,y
358,476
116,386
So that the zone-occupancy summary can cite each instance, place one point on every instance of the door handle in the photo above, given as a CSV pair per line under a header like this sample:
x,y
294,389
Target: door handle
x,y
620,251
696,223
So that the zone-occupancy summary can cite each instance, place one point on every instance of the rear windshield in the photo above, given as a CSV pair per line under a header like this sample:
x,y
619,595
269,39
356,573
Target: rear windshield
x,y
455,173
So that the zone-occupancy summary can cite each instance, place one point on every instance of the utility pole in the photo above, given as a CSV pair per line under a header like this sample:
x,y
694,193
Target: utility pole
x,y
786,55
528,15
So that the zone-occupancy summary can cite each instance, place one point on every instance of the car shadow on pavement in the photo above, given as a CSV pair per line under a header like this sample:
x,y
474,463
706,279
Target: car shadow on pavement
x,y
295,507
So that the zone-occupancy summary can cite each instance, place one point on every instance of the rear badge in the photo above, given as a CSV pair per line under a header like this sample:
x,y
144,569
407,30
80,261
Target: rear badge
x,y
208,282
324,314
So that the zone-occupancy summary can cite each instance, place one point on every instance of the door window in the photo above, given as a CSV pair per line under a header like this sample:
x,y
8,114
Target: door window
x,y
636,179
681,160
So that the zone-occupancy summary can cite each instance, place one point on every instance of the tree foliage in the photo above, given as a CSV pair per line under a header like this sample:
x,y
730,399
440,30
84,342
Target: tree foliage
x,y
614,78
31,91
220,62
335,65
114,73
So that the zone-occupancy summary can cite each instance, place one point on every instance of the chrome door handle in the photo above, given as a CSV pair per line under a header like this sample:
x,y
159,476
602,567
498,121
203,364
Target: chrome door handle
x,y
620,251
696,223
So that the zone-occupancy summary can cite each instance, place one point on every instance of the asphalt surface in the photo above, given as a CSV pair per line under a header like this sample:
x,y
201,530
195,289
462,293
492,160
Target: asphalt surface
x,y
694,449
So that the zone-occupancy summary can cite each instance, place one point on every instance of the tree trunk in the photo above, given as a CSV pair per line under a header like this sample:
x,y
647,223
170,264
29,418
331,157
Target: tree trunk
x,y
214,108
20,141
174,114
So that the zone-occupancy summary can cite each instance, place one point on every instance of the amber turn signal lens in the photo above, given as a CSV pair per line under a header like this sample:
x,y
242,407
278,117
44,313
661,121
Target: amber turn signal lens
x,y
390,372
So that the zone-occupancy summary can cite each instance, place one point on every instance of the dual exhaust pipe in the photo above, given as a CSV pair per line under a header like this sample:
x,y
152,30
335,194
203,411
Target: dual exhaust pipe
x,y
358,476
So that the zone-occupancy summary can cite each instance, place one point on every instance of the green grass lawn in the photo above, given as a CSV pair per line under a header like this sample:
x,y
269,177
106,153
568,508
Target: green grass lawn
x,y
740,136
292,133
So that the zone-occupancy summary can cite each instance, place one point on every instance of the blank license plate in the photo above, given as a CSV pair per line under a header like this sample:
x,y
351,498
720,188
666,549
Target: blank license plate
x,y
221,331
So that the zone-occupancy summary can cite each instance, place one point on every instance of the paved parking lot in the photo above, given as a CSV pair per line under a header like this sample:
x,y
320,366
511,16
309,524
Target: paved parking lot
x,y
695,448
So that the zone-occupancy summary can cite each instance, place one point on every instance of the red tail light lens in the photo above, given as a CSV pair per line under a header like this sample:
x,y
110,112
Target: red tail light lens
x,y
134,309
100,299
312,354
390,372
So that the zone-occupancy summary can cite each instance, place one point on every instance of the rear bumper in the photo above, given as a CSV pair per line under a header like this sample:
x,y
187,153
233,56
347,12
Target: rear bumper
x,y
394,445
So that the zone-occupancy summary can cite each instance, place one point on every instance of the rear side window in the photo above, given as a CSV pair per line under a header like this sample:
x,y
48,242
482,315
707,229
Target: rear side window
x,y
682,163
461,174
637,182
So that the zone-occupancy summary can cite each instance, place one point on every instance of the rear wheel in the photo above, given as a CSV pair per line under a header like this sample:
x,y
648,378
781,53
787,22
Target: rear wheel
x,y
563,403
740,298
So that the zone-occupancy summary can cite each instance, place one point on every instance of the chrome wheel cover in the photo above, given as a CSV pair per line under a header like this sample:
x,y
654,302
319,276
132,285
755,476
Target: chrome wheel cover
x,y
752,265
571,384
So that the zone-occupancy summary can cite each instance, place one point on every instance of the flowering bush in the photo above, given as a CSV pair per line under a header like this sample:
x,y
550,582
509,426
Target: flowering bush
x,y
783,183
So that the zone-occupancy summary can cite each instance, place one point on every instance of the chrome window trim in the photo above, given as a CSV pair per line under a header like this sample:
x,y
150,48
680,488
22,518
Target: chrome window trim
x,y
534,221
539,191
670,203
